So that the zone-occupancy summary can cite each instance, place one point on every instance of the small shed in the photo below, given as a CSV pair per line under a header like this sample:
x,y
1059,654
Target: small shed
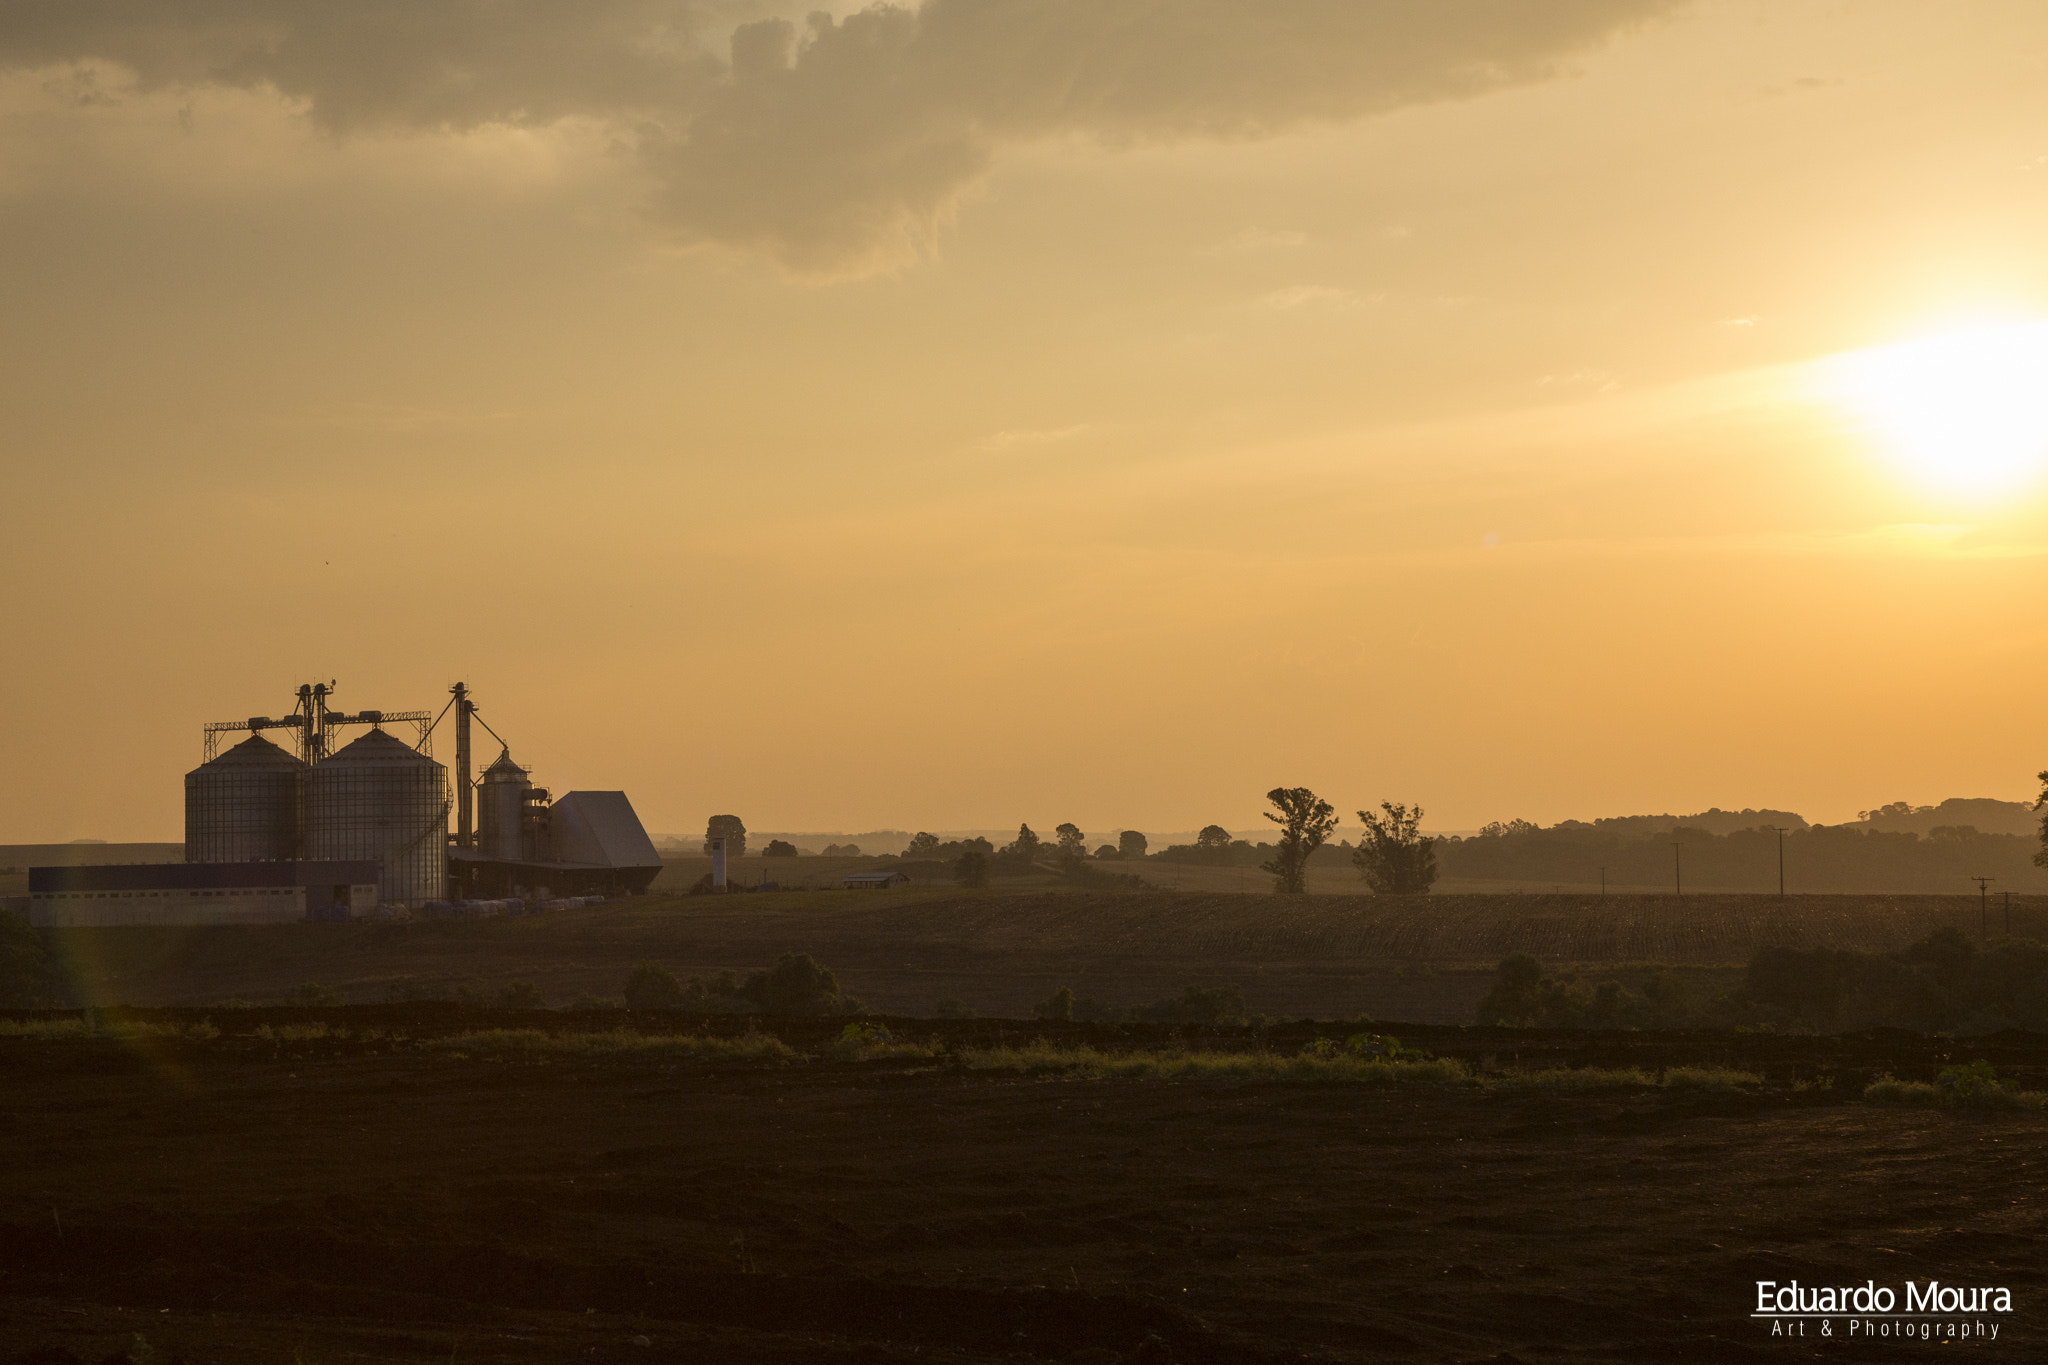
x,y
876,881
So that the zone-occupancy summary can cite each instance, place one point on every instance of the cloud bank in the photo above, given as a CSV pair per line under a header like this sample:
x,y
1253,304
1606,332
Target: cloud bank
x,y
837,145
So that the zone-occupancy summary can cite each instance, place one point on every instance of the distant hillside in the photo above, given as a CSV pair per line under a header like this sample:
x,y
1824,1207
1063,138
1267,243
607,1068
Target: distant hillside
x,y
1824,858
1713,821
1981,813
84,853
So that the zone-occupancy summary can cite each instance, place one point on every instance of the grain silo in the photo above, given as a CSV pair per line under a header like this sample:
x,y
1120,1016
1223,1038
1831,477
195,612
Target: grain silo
x,y
379,798
244,805
501,809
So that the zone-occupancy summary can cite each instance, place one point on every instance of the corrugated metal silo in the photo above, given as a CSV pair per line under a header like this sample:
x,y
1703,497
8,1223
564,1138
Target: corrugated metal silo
x,y
379,798
501,802
243,806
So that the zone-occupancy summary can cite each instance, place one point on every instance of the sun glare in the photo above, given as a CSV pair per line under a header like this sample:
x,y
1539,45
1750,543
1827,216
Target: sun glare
x,y
1965,411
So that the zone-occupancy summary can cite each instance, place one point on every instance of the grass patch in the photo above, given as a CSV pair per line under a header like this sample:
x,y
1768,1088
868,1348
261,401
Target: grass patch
x,y
92,1027
1972,1086
864,1042
1588,1078
297,1033
615,1045
1711,1078
1338,1065
1041,1058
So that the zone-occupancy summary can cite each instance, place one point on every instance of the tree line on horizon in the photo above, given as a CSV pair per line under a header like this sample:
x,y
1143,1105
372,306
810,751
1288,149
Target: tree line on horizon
x,y
1394,857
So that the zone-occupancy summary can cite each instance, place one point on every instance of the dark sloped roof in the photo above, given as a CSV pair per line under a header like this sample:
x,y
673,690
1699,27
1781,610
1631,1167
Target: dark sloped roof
x,y
379,746
253,752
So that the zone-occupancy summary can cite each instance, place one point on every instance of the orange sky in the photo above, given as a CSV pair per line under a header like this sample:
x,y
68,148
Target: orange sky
x,y
1029,409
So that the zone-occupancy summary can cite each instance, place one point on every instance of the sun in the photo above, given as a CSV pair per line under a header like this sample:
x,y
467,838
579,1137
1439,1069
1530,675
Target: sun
x,y
1965,411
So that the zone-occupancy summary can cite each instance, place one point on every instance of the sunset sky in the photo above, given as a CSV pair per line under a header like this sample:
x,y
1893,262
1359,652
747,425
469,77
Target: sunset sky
x,y
991,410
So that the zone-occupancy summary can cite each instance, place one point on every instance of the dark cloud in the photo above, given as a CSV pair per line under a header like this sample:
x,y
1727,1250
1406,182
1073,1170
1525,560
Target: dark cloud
x,y
847,139
382,64
836,144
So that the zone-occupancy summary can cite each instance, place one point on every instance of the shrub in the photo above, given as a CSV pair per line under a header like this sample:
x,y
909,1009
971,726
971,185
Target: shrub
x,y
1059,1006
1523,997
866,1035
403,990
651,988
313,996
1089,877
1809,983
1975,1085
721,995
970,869
1375,1045
951,1008
798,985
1195,1005
520,995
1516,998
1942,982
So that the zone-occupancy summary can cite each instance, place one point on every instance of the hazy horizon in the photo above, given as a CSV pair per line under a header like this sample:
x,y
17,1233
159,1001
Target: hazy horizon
x,y
758,835
936,415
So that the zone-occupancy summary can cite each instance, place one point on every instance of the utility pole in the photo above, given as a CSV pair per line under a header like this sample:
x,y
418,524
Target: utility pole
x,y
1780,830
1984,905
1678,865
2008,913
1603,881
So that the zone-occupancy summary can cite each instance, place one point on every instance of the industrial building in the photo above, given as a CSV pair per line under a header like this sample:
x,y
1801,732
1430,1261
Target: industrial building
x,y
199,893
338,830
584,843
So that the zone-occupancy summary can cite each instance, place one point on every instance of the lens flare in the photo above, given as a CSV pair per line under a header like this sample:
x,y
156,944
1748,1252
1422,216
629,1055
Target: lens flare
x,y
1962,411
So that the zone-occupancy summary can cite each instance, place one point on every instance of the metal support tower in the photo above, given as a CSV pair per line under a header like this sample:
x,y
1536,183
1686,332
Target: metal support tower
x,y
316,724
465,799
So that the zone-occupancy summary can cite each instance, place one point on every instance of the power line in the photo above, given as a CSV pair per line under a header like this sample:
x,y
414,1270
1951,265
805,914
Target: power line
x,y
1781,832
1984,905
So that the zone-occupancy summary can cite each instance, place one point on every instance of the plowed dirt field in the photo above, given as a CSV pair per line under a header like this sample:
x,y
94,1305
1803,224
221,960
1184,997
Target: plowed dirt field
x,y
256,1198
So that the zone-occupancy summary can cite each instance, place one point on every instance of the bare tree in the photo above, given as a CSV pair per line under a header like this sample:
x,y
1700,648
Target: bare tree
x,y
1394,856
1305,821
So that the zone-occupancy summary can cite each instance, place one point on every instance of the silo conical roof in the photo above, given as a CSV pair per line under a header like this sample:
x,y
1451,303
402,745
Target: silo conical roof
x,y
505,770
253,752
379,746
